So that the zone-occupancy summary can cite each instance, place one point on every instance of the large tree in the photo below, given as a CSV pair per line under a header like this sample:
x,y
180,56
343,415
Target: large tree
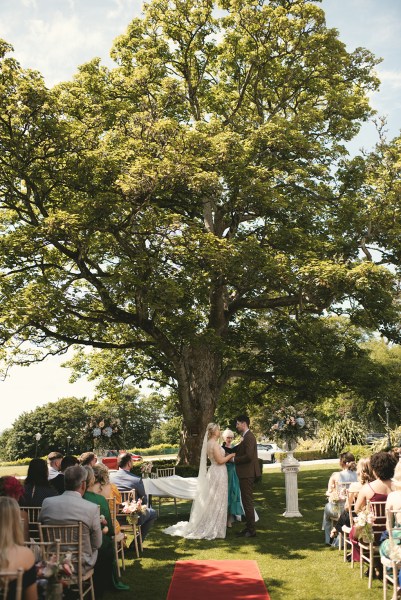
x,y
175,209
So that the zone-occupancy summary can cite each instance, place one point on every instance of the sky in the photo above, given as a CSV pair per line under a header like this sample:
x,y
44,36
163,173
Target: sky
x,y
55,36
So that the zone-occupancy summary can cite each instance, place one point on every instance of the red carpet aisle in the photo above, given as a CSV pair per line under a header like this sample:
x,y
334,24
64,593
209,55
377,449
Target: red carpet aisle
x,y
217,580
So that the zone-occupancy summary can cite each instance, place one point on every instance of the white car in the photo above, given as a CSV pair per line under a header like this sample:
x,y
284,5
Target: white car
x,y
267,452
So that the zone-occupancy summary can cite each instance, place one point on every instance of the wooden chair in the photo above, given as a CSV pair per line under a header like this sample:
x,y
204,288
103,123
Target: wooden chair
x,y
391,567
166,472
7,577
118,538
44,550
369,551
128,527
33,520
345,530
70,538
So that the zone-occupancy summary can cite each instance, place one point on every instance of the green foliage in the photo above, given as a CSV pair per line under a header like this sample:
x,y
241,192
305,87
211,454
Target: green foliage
x,y
342,432
70,417
155,450
168,432
359,451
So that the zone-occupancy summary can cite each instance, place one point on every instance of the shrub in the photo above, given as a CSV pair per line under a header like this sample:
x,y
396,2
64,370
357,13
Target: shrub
x,y
346,431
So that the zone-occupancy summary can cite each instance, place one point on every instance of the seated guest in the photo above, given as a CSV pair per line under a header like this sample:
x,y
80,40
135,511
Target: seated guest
x,y
365,475
54,460
106,489
106,573
13,554
126,481
58,481
36,485
383,465
11,487
332,510
88,459
393,502
70,507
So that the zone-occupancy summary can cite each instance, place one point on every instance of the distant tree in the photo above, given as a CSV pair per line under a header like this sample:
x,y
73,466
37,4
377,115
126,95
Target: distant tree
x,y
167,432
137,414
54,421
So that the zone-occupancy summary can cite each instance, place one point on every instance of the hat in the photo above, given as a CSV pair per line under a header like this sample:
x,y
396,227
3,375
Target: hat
x,y
54,455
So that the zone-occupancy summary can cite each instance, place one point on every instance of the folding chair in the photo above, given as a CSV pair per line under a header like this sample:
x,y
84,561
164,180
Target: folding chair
x,y
166,472
33,520
118,538
70,539
345,530
370,550
391,566
129,496
44,550
9,577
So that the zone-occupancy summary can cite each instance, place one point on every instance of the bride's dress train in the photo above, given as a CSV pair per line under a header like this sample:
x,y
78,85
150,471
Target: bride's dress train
x,y
208,519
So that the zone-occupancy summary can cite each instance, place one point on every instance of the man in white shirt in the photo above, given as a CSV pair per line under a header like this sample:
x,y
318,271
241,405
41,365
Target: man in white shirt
x,y
54,459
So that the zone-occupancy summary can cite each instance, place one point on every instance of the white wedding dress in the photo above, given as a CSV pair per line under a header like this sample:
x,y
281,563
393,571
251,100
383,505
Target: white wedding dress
x,y
208,519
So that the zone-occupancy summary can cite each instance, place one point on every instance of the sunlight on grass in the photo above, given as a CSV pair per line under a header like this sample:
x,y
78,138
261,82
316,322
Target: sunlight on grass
x,y
292,557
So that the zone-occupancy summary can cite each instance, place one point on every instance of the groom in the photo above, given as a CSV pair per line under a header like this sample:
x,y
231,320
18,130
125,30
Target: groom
x,y
248,468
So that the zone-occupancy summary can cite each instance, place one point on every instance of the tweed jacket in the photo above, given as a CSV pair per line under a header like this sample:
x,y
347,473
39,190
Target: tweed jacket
x,y
69,508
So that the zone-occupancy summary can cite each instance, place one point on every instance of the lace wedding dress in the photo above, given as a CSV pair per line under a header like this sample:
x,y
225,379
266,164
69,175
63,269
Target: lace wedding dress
x,y
208,519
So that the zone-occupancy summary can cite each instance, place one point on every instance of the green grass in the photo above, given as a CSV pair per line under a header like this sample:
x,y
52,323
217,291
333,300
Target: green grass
x,y
292,557
16,470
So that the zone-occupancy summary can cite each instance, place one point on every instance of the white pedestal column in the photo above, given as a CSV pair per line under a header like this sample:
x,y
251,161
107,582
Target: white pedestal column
x,y
290,468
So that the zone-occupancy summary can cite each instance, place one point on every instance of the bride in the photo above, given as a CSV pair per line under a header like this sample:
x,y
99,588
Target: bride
x,y
208,517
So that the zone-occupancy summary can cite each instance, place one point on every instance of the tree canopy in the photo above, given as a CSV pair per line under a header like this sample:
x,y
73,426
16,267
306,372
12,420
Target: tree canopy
x,y
190,211
137,417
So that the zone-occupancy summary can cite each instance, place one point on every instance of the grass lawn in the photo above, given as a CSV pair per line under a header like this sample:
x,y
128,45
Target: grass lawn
x,y
18,470
293,560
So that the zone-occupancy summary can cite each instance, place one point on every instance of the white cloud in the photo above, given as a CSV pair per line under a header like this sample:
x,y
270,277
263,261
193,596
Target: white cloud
x,y
391,78
30,3
121,7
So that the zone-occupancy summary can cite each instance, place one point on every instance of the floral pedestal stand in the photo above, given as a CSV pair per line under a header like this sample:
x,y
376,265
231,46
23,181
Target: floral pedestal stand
x,y
290,468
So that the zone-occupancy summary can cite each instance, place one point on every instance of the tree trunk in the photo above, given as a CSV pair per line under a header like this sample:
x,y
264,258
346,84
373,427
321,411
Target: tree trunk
x,y
198,375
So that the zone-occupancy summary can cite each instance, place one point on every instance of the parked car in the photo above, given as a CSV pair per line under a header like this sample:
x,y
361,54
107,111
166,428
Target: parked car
x,y
112,455
267,452
373,437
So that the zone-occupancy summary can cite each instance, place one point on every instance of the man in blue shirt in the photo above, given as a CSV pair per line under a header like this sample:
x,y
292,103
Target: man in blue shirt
x,y
126,481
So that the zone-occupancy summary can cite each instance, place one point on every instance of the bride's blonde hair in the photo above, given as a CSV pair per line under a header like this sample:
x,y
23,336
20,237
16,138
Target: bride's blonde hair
x,y
211,429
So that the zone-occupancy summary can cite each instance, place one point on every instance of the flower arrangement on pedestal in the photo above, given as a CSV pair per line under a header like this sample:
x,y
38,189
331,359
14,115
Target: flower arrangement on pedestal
x,y
289,424
146,469
105,433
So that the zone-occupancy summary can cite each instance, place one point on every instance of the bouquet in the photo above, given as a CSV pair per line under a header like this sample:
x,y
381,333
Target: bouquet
x,y
146,468
289,424
55,571
133,510
363,525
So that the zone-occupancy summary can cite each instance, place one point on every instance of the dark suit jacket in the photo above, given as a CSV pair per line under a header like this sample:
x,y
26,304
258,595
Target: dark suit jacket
x,y
126,481
246,457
